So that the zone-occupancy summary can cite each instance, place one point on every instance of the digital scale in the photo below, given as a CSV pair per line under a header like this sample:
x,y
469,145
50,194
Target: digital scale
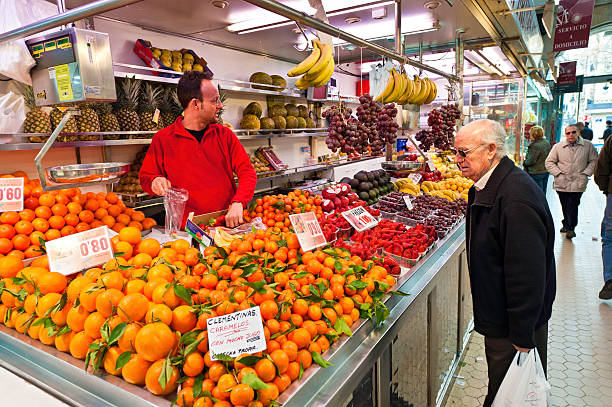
x,y
72,65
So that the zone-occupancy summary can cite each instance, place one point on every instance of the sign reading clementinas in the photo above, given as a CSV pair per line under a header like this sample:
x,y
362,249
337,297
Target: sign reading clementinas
x,y
573,24
236,333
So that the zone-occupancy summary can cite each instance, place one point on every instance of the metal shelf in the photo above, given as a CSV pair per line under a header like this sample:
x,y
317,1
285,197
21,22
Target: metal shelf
x,y
72,144
243,134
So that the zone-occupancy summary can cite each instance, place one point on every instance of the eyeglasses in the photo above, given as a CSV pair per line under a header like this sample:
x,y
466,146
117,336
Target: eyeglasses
x,y
464,153
567,133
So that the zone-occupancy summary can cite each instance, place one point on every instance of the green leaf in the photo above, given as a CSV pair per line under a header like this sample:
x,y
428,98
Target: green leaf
x,y
119,254
166,373
123,359
250,360
221,251
338,266
189,337
105,332
318,359
192,346
19,280
282,243
342,326
253,381
330,252
258,286
117,333
249,270
224,358
197,386
241,263
401,293
183,293
125,267
357,285
301,371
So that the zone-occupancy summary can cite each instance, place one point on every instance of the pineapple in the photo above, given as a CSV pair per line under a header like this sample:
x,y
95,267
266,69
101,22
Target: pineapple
x,y
177,110
166,108
70,127
148,103
108,121
222,98
36,120
88,122
127,103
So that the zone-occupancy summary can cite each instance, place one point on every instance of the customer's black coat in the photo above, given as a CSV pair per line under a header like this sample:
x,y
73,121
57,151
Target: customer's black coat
x,y
510,240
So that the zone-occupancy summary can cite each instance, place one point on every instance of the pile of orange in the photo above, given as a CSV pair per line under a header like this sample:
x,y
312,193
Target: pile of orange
x,y
127,316
274,210
50,215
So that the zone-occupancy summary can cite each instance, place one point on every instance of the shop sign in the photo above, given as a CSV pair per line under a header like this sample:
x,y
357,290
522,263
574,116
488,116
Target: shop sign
x,y
80,251
307,230
573,24
574,87
567,73
527,22
11,194
360,218
235,334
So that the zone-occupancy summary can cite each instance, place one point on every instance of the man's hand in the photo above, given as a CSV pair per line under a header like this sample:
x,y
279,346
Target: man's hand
x,y
160,186
233,217
525,350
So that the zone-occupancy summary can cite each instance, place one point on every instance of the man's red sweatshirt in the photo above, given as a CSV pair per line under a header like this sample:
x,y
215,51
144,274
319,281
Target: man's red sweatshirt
x,y
205,169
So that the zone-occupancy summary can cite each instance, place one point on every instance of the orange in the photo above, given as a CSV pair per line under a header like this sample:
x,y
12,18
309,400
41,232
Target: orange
x,y
148,223
185,397
265,369
79,345
108,221
268,309
51,234
194,364
163,295
74,207
131,235
75,287
107,301
86,216
150,247
92,205
137,225
27,214
112,279
160,271
124,219
281,360
52,282
9,218
110,361
47,200
135,370
155,341
10,266
133,307
76,318
267,395
183,319
152,379
24,227
126,342
159,313
180,246
125,248
112,198
20,242
93,323
138,216
7,231
43,212
82,227
68,230
57,222
6,245
88,296
59,209
71,219
301,337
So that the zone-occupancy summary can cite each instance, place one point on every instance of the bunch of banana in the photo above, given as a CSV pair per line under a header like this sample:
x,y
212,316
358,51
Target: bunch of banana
x,y
429,186
223,238
402,90
316,69
446,194
425,91
407,186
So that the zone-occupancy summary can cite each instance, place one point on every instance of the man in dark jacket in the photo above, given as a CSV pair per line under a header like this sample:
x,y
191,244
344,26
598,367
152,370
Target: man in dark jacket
x,y
510,239
608,131
585,132
603,179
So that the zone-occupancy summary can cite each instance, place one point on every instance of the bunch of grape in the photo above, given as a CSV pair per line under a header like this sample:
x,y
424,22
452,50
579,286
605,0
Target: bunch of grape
x,y
386,125
338,129
442,132
367,113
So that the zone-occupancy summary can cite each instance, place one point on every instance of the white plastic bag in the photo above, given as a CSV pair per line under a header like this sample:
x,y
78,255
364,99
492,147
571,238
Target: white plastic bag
x,y
525,384
16,60
12,113
174,204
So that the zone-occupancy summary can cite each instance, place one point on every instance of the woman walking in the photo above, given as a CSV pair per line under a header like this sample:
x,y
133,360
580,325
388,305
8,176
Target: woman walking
x,y
536,157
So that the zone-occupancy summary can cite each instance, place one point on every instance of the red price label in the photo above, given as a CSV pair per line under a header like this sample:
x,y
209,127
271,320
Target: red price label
x,y
80,251
11,194
308,230
360,218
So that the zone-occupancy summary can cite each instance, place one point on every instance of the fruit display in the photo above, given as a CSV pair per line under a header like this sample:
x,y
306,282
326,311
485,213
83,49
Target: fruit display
x,y
401,89
279,117
130,183
407,186
170,107
178,60
451,189
36,121
88,122
441,134
148,103
386,125
278,82
316,69
268,156
274,210
71,125
367,113
260,166
127,103
445,164
338,197
335,226
108,121
369,185
50,215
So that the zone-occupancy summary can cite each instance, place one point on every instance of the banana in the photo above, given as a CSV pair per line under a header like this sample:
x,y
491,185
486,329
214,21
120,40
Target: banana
x,y
407,92
302,83
398,87
416,91
423,93
324,76
430,90
307,63
425,188
433,93
388,88
321,64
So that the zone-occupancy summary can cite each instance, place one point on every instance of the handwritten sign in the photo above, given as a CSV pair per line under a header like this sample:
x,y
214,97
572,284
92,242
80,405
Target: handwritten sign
x,y
408,202
360,218
415,177
80,251
11,194
308,230
236,333
431,165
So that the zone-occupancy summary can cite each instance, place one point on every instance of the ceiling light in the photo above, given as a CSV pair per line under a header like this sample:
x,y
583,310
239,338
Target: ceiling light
x,y
384,29
219,3
431,5
352,20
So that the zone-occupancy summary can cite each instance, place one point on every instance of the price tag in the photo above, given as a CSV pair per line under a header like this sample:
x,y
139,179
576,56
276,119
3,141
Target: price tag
x,y
360,218
80,251
415,177
11,194
156,116
408,202
236,333
431,164
308,230
198,233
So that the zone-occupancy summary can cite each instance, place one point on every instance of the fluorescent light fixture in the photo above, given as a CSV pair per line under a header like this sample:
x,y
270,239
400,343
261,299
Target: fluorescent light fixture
x,y
497,58
266,20
384,29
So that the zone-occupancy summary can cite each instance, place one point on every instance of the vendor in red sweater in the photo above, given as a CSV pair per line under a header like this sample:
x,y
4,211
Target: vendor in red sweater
x,y
199,155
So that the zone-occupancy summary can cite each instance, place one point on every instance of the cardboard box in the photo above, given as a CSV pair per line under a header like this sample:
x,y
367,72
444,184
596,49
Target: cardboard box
x,y
204,218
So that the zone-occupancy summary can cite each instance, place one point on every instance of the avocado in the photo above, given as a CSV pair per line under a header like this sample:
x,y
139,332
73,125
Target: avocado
x,y
370,176
354,183
375,182
364,186
361,176
364,196
345,180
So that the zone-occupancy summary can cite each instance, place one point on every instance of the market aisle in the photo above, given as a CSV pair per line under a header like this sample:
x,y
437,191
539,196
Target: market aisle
x,y
579,357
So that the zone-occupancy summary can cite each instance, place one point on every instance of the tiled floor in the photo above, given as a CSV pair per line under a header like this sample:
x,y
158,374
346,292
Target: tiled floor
x,y
580,330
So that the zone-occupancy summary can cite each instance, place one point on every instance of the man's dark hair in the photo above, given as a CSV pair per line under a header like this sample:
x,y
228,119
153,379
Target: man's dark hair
x,y
586,123
189,86
609,122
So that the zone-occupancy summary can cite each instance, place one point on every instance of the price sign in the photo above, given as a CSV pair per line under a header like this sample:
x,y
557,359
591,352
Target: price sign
x,y
431,164
408,202
415,177
80,251
308,230
11,194
360,218
236,333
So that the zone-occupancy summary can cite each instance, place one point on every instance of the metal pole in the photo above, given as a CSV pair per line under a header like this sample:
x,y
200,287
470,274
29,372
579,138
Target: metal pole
x,y
398,49
60,19
295,15
61,6
459,72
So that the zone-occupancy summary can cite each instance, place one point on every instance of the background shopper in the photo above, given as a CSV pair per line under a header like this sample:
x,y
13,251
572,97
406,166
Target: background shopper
x,y
608,131
603,178
510,240
536,156
571,162
585,132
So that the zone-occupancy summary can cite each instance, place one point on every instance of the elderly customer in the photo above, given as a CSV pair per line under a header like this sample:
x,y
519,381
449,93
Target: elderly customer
x,y
510,239
536,156
571,162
